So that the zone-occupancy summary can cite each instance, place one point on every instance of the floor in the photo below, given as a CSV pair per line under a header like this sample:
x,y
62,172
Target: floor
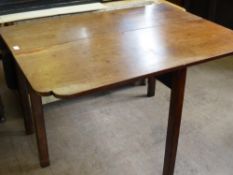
x,y
122,132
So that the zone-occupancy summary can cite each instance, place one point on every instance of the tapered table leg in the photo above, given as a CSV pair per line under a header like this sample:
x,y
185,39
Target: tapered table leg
x,y
151,87
176,104
38,116
25,102
2,114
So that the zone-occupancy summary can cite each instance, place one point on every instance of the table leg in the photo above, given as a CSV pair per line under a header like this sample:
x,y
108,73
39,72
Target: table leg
x,y
142,82
178,79
38,116
151,87
2,114
25,102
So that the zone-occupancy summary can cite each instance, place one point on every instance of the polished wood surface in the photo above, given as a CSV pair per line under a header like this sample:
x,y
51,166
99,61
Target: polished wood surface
x,y
77,54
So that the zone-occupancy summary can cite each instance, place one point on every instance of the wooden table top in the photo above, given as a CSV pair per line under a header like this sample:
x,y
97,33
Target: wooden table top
x,y
73,55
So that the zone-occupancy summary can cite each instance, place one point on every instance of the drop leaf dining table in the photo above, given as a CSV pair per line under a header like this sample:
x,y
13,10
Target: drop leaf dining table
x,y
75,55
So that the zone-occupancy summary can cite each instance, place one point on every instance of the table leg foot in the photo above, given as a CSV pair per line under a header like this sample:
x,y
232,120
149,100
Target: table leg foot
x,y
178,79
151,87
38,116
44,164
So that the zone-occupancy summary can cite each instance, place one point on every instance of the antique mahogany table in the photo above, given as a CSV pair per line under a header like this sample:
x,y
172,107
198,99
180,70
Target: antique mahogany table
x,y
76,55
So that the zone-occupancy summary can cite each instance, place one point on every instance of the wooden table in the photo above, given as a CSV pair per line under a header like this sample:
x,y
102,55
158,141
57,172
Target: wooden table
x,y
82,54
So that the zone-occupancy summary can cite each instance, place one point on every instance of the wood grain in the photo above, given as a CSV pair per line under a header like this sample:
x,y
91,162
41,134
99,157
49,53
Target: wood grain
x,y
78,54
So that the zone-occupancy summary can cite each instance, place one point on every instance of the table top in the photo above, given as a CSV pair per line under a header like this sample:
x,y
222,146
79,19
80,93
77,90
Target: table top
x,y
78,54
